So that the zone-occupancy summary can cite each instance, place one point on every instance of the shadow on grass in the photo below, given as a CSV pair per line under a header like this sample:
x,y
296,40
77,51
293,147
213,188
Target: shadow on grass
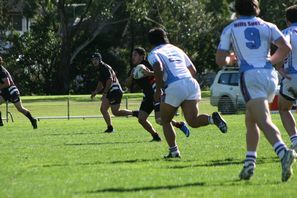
x,y
70,134
226,162
100,163
168,187
172,187
102,143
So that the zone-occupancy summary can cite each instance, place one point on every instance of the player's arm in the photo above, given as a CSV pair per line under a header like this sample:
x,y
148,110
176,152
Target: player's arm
x,y
158,73
225,58
97,90
6,83
283,49
192,70
148,72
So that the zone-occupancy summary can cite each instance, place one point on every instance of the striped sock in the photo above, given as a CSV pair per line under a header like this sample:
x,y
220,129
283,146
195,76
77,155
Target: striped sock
x,y
280,149
293,139
250,159
210,120
174,149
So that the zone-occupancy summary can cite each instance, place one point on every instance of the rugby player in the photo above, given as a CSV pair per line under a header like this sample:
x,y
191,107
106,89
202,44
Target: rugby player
x,y
9,92
175,74
148,104
250,38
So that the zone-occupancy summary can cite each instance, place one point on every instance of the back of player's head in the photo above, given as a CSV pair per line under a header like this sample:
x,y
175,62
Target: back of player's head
x,y
140,51
291,14
158,36
97,55
247,7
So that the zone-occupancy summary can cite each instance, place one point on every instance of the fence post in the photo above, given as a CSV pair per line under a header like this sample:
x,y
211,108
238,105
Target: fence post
x,y
6,111
68,107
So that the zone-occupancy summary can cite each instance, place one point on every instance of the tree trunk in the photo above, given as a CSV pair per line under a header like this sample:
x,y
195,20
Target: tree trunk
x,y
61,85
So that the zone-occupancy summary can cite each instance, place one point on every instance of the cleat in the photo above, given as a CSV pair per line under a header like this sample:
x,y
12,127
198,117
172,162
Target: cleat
x,y
109,130
1,123
172,155
287,163
135,113
185,129
247,172
156,138
219,122
34,123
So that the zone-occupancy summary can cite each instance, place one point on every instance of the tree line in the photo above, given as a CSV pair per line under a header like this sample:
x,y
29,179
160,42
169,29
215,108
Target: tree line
x,y
54,56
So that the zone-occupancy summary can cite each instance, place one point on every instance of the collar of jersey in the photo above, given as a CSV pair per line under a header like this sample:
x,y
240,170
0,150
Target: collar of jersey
x,y
246,17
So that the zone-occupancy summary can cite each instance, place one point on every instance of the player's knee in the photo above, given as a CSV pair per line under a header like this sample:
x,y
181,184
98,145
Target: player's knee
x,y
159,121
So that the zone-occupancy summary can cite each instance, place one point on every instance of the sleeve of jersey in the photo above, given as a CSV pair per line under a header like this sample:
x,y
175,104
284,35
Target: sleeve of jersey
x,y
225,42
276,34
188,60
153,58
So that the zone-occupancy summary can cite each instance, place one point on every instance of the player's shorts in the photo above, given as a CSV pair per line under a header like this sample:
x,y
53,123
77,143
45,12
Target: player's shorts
x,y
115,97
11,94
258,83
288,88
181,90
148,105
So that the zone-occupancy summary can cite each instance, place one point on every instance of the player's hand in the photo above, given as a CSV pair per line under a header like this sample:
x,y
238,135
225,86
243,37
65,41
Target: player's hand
x,y
283,73
93,95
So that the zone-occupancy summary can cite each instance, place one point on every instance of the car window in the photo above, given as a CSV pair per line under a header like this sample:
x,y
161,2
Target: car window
x,y
224,78
229,79
234,80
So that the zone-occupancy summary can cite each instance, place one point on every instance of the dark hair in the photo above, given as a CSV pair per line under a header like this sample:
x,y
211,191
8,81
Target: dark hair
x,y
247,7
1,60
291,14
140,51
157,36
97,55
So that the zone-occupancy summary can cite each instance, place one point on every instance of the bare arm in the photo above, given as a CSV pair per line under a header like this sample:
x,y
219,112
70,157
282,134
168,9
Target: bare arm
x,y
158,73
192,70
97,90
283,48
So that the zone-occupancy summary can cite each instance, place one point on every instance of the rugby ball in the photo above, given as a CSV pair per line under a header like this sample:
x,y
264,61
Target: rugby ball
x,y
138,71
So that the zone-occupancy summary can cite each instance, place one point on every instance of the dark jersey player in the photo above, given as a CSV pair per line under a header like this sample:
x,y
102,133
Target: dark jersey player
x,y
148,104
111,90
9,92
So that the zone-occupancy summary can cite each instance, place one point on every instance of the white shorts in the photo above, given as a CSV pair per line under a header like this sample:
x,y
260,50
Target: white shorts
x,y
288,87
181,90
259,83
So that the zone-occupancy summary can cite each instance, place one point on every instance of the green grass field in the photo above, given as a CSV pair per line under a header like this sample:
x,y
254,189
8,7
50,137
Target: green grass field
x,y
73,158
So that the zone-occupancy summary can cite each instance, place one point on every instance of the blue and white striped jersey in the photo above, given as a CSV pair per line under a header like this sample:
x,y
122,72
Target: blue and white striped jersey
x,y
250,38
173,60
291,37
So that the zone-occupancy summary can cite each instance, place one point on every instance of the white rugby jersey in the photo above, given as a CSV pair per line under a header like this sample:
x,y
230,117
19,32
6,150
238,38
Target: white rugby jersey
x,y
173,60
291,37
250,37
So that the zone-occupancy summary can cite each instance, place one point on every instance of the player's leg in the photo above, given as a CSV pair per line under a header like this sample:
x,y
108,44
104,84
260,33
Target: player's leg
x,y
1,101
145,109
167,113
252,139
104,111
19,106
115,99
288,119
259,110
